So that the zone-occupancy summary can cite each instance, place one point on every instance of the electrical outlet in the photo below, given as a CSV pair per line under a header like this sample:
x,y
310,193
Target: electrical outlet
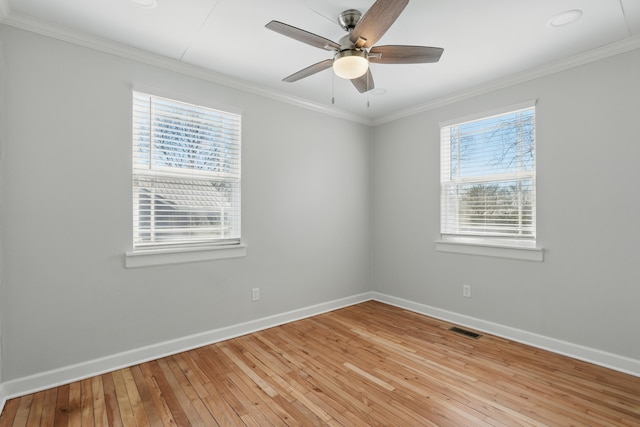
x,y
255,294
466,291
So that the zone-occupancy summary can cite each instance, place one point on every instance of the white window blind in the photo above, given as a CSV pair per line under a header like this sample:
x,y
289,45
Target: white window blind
x,y
186,175
488,177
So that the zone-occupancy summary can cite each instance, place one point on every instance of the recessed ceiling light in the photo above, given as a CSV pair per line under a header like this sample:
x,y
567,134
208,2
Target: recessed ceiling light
x,y
146,3
564,18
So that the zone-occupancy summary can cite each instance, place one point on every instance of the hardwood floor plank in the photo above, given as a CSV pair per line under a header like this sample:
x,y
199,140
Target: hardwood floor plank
x,y
99,404
35,412
161,407
246,370
111,401
209,362
170,392
302,399
122,396
62,407
86,404
195,401
369,364
286,410
267,390
313,380
214,400
135,400
9,412
75,404
22,414
152,413
254,388
327,376
49,408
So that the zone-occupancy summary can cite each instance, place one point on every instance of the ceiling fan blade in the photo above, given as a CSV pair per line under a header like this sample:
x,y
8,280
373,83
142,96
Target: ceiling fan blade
x,y
302,35
399,54
364,83
376,21
310,70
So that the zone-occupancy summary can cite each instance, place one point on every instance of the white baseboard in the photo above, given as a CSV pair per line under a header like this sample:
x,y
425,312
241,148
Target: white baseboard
x,y
68,374
45,380
3,397
597,357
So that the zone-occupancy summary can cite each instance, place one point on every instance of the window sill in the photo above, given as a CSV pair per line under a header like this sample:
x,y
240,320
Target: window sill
x,y
179,256
491,250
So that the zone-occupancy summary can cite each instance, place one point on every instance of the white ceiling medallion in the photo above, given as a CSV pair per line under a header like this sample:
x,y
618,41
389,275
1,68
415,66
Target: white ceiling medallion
x,y
378,91
149,4
564,18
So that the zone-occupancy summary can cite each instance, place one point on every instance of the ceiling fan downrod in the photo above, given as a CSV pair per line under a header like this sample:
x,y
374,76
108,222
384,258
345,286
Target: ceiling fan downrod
x,y
349,19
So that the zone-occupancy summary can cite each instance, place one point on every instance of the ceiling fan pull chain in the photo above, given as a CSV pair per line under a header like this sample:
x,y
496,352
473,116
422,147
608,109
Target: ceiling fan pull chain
x,y
368,98
333,92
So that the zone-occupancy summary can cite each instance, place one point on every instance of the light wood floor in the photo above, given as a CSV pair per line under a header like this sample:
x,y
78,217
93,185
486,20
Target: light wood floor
x,y
369,364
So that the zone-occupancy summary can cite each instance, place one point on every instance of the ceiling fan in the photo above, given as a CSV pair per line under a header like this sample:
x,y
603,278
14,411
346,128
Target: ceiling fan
x,y
355,50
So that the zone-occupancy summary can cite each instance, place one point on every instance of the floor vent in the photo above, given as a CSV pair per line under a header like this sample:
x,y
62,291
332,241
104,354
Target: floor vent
x,y
465,332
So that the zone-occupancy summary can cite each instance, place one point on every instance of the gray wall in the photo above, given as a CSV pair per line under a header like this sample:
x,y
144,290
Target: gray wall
x,y
330,209
66,223
587,290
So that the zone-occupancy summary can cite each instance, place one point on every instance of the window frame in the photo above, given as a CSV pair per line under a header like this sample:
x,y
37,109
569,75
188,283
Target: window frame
x,y
516,247
209,248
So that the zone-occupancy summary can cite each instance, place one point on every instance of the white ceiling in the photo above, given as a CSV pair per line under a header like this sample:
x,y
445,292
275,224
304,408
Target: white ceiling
x,y
483,40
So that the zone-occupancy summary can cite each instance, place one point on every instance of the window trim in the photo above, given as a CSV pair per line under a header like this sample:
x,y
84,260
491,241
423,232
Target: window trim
x,y
500,247
147,258
488,249
198,251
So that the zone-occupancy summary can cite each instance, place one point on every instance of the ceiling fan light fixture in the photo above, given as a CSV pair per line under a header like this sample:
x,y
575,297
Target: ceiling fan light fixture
x,y
350,63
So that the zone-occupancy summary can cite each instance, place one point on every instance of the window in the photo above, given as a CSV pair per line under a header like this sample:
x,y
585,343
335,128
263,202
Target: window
x,y
488,178
186,175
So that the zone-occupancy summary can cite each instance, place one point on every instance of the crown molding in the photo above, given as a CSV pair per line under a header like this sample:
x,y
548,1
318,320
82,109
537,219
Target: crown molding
x,y
584,58
24,22
27,23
